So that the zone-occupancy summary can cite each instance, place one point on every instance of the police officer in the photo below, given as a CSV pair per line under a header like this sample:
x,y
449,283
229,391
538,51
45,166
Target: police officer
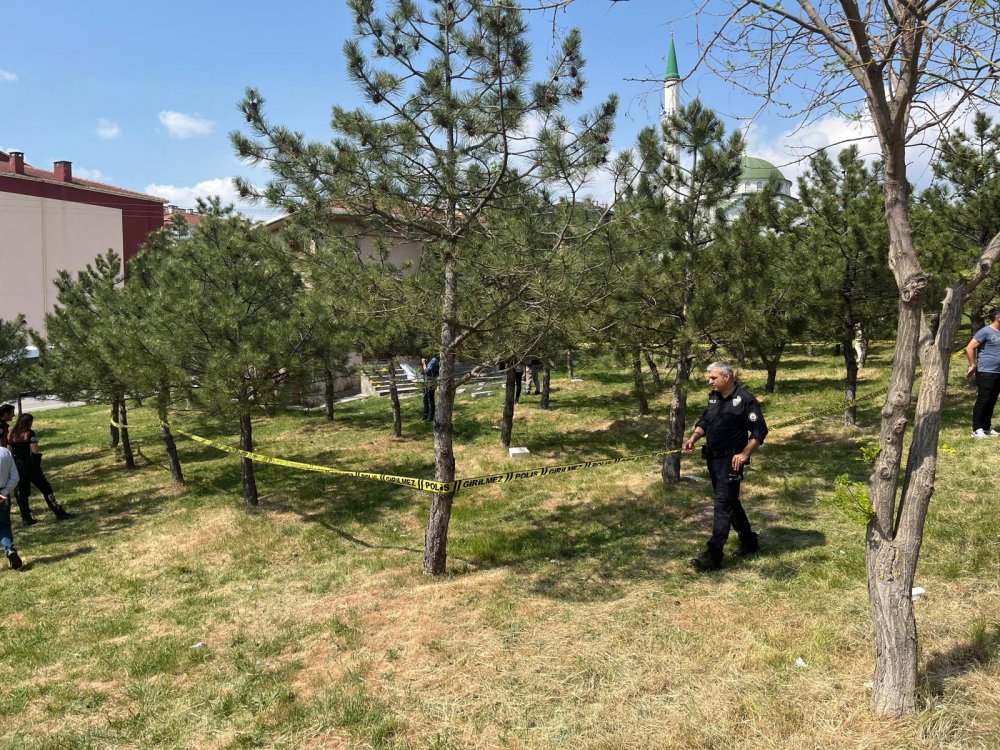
x,y
735,428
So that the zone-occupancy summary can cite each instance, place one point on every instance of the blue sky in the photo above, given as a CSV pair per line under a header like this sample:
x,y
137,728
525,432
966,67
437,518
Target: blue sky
x,y
143,96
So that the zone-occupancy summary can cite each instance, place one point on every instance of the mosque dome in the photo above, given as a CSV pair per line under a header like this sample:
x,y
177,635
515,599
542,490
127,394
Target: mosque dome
x,y
755,174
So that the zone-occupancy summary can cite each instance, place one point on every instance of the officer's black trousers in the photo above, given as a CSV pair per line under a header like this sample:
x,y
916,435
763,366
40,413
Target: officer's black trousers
x,y
728,509
429,403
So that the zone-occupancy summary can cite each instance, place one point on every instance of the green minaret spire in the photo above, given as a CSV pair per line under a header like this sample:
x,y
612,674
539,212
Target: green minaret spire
x,y
672,74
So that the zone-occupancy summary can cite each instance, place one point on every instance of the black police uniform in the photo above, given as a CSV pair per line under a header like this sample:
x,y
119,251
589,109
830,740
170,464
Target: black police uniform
x,y
727,423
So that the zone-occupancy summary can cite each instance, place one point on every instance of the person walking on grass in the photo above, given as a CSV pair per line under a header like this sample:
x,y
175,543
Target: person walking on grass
x,y
8,485
734,426
983,353
432,369
23,444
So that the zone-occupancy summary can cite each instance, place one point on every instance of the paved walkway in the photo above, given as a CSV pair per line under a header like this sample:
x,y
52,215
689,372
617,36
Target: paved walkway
x,y
32,405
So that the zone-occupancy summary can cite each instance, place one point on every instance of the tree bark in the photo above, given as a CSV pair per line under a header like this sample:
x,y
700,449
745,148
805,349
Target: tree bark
x,y
891,554
771,361
507,423
640,385
850,384
397,415
114,418
126,443
671,471
436,534
654,371
546,387
162,399
328,381
247,474
569,364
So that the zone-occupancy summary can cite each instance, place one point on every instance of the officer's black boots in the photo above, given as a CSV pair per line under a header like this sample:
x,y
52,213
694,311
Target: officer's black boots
x,y
60,512
749,546
707,562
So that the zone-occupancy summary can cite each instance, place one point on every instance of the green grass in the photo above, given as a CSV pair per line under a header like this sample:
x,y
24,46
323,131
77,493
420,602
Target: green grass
x,y
568,618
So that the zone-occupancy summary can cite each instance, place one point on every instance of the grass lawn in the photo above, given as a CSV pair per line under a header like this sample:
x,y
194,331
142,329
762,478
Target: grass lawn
x,y
162,617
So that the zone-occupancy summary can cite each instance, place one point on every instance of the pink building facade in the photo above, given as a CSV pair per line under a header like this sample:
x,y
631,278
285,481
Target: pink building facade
x,y
50,220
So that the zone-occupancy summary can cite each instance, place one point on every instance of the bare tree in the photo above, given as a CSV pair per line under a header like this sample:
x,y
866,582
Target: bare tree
x,y
909,67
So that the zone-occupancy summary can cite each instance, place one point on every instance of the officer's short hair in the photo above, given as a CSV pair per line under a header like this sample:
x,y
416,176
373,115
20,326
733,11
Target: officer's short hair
x,y
724,367
994,314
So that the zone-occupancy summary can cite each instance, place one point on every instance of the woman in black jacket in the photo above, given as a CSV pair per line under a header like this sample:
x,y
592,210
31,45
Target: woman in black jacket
x,y
23,444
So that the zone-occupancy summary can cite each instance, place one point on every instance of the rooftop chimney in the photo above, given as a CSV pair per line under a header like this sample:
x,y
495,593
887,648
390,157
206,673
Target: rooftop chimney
x,y
64,171
16,164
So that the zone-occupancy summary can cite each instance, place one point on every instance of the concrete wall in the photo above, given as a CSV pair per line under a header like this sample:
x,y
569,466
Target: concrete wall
x,y
40,236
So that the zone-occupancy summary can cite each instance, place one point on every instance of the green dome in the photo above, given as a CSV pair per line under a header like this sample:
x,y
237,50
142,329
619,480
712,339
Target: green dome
x,y
758,170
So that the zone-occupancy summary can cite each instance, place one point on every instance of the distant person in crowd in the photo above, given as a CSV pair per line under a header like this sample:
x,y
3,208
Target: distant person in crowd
x,y
23,444
983,353
734,428
531,375
9,479
518,377
6,417
432,370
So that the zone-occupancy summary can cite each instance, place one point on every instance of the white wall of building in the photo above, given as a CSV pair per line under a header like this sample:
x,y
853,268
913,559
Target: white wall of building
x,y
40,236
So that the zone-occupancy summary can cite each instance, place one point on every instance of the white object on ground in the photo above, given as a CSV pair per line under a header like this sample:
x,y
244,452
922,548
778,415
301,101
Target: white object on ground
x,y
199,645
518,452
917,592
477,394
800,663
460,390
576,380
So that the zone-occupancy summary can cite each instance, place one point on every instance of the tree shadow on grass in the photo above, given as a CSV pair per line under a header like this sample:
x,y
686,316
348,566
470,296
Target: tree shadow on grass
x,y
590,551
966,657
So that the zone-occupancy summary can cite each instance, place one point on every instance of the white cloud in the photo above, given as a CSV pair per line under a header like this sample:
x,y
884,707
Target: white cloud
x,y
107,129
7,76
180,125
790,151
89,174
187,197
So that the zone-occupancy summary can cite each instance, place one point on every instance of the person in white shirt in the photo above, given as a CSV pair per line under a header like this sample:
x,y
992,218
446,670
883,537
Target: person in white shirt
x,y
8,485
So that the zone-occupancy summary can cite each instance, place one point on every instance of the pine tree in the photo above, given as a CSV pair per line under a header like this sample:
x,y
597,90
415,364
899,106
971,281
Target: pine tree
x,y
231,310
81,353
453,125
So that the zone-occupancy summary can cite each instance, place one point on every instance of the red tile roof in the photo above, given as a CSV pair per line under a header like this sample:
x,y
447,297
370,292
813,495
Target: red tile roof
x,y
45,176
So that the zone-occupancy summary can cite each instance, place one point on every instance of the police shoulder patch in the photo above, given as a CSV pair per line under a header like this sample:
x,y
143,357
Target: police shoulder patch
x,y
753,416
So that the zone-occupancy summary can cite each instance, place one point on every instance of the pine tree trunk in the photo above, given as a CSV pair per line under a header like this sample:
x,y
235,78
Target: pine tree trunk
x,y
126,443
397,415
569,364
162,399
507,423
640,385
772,376
247,474
546,387
850,384
654,371
671,471
436,534
328,392
114,419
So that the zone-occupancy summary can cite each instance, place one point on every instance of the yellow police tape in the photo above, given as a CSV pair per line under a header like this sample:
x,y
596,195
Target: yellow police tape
x,y
426,485
119,425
